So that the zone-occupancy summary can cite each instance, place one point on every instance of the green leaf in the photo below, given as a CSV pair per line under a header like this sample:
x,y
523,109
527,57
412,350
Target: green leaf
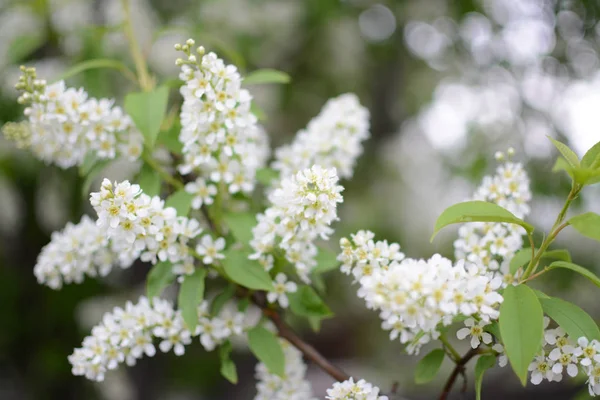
x,y
580,175
577,268
266,176
326,261
248,273
494,329
219,301
240,224
149,180
170,138
190,296
484,363
95,64
521,326
307,303
477,211
541,295
587,224
266,347
429,366
91,176
571,318
159,277
567,153
181,201
315,323
148,109
228,369
520,258
23,46
266,75
591,159
523,257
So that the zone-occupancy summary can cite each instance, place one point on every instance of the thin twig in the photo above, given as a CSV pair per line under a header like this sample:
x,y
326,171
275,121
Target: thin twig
x,y
458,369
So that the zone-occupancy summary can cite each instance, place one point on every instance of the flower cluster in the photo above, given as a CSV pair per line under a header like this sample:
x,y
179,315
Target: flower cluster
x,y
222,142
562,354
142,227
78,250
126,334
492,245
65,124
292,386
333,139
415,297
302,209
361,390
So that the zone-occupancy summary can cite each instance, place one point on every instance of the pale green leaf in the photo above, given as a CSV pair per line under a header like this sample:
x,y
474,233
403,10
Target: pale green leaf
x,y
266,347
521,326
523,256
266,176
587,224
149,180
577,268
248,273
477,211
180,201
429,366
307,303
575,322
266,75
219,301
484,363
326,261
95,64
240,225
567,153
148,109
228,369
159,277
591,159
190,296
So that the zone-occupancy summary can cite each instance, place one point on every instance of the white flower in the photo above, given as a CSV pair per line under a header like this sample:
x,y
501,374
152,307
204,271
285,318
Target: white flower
x,y
502,358
210,250
282,286
203,193
587,350
361,390
475,330
564,358
541,368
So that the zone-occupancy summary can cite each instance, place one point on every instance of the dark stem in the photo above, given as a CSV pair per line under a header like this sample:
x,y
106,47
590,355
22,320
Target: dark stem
x,y
458,370
288,334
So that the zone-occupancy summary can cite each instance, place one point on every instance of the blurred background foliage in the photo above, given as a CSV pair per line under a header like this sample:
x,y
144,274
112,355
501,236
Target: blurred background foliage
x,y
447,83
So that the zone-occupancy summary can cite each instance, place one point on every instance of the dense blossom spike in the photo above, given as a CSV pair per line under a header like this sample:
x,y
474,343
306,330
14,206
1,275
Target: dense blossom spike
x,y
333,139
302,209
415,298
65,124
78,250
492,245
126,334
222,141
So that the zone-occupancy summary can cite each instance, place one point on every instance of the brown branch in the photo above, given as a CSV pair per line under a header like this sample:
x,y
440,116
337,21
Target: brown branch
x,y
288,334
458,370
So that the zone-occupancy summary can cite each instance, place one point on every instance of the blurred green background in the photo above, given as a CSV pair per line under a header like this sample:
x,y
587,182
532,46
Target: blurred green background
x,y
447,84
